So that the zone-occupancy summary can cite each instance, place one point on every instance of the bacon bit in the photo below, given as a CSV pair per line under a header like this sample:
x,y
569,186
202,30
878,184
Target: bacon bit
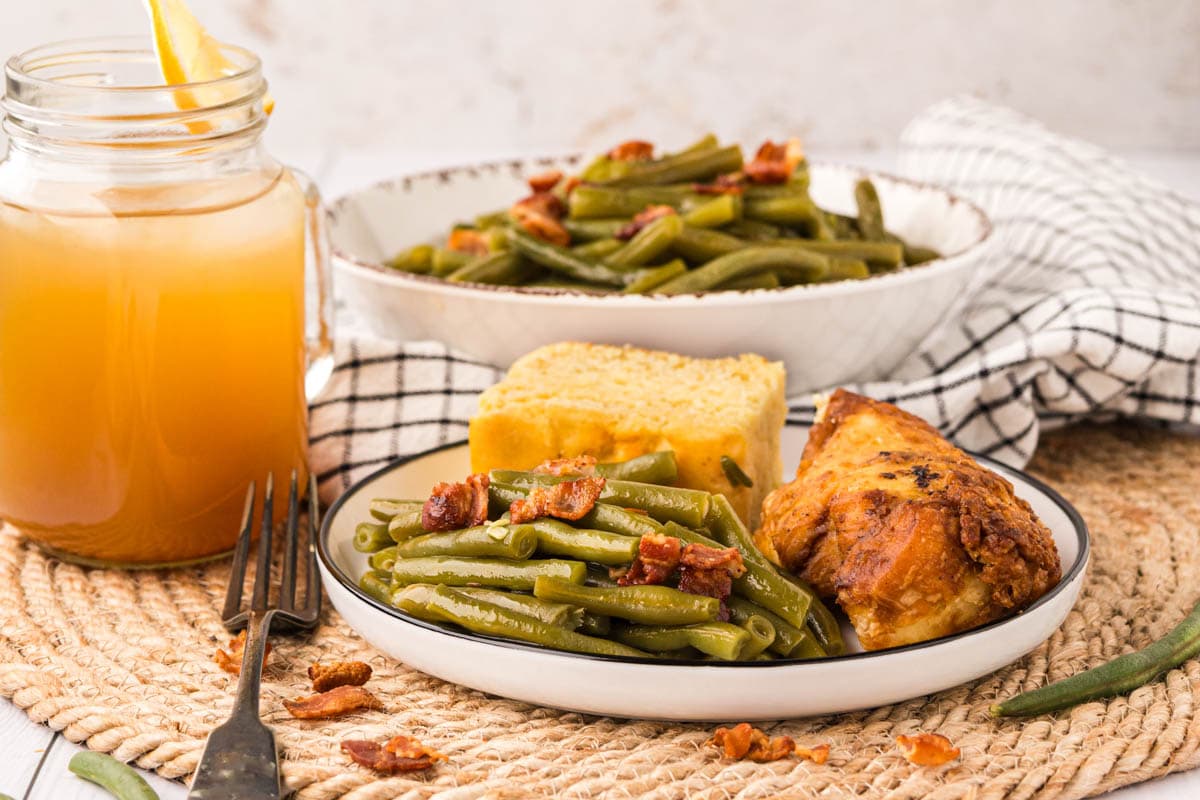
x,y
539,203
571,183
641,220
710,571
456,505
927,749
545,181
341,673
745,741
333,703
817,755
468,240
724,184
657,558
632,150
231,661
584,466
569,500
398,754
774,163
539,215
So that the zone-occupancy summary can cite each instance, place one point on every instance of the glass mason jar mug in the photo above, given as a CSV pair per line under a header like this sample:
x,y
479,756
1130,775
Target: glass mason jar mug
x,y
164,298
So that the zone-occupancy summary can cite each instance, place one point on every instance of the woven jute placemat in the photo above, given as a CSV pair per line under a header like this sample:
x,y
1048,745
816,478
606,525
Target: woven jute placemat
x,y
122,661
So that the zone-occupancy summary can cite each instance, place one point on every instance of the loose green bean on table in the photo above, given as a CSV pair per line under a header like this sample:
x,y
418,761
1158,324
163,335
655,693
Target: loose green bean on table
x,y
118,779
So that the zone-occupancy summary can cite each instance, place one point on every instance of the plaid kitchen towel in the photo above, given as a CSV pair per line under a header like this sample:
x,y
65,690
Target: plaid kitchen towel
x,y
1090,306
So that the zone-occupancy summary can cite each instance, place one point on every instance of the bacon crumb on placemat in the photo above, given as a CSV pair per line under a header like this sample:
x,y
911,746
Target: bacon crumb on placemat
x,y
456,505
568,500
743,741
231,661
333,703
927,749
398,754
340,673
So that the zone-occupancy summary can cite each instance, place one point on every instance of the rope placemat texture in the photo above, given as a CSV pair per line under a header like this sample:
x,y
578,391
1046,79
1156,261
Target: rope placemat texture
x,y
122,661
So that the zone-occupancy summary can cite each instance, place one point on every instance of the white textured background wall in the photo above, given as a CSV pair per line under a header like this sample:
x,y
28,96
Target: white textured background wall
x,y
518,75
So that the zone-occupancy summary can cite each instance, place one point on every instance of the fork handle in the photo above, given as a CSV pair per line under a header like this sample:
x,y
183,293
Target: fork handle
x,y
241,759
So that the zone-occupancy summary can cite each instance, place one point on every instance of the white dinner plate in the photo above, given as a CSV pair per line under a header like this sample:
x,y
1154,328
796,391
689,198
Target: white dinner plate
x,y
640,688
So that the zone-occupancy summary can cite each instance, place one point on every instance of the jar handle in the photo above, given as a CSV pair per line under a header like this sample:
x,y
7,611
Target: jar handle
x,y
318,277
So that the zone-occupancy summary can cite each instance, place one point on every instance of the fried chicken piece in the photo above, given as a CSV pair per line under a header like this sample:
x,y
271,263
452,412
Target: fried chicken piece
x,y
912,537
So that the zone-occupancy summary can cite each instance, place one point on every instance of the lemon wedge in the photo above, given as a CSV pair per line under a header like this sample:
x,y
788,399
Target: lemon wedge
x,y
187,53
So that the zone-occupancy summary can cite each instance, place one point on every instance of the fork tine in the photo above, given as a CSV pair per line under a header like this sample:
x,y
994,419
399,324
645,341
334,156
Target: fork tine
x,y
241,552
262,576
312,600
287,582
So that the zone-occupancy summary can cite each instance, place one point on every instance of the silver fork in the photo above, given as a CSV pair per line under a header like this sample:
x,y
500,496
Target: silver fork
x,y
240,760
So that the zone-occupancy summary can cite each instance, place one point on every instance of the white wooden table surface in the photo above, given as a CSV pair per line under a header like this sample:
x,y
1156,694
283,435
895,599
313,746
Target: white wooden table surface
x,y
33,759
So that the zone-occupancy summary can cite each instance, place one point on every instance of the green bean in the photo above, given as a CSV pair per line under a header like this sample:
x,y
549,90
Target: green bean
x,y
796,185
756,230
406,525
6,796
556,538
844,227
914,254
603,516
701,244
602,168
450,605
592,230
735,474
501,496
417,259
563,261
663,503
796,210
371,536
598,248
763,280
722,640
651,605
870,212
821,622
378,584
384,509
659,467
645,281
1119,676
648,243
595,624
560,614
492,219
694,165
500,269
604,202
500,573
383,559
762,635
706,142
120,780
790,641
482,541
800,266
446,261
845,269
883,254
720,210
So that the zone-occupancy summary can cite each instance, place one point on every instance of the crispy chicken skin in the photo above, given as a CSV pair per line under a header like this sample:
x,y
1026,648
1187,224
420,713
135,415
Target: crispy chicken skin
x,y
911,536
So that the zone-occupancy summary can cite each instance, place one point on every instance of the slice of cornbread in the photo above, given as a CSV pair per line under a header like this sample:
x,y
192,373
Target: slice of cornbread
x,y
615,403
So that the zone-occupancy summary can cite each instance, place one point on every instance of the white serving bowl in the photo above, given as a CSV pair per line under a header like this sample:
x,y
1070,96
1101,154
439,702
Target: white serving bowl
x,y
825,334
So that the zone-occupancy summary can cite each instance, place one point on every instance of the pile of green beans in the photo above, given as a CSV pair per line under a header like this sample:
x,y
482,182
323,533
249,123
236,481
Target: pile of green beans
x,y
548,581
761,237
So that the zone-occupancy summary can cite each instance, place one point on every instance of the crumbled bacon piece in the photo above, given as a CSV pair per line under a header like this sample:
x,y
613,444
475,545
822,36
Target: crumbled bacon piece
x,y
774,163
539,215
571,183
710,571
927,749
398,754
340,673
545,181
456,505
657,558
584,466
468,240
641,220
817,755
231,661
539,203
632,150
724,184
333,703
568,500
744,741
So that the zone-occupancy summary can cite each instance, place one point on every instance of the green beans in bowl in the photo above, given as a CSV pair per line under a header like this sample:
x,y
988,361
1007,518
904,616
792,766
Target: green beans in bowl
x,y
705,251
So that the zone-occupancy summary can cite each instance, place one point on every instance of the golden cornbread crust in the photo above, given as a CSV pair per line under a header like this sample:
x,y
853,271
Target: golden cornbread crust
x,y
614,403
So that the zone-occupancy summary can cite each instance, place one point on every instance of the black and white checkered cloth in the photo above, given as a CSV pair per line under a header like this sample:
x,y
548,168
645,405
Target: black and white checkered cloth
x,y
1089,307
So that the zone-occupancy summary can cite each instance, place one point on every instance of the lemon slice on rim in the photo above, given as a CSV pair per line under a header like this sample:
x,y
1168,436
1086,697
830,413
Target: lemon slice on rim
x,y
187,53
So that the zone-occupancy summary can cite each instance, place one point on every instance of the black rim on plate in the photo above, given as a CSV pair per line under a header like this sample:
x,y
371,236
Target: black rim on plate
x,y
351,584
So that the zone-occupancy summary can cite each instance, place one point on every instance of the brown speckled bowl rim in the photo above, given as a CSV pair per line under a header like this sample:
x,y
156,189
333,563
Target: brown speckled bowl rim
x,y
520,167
